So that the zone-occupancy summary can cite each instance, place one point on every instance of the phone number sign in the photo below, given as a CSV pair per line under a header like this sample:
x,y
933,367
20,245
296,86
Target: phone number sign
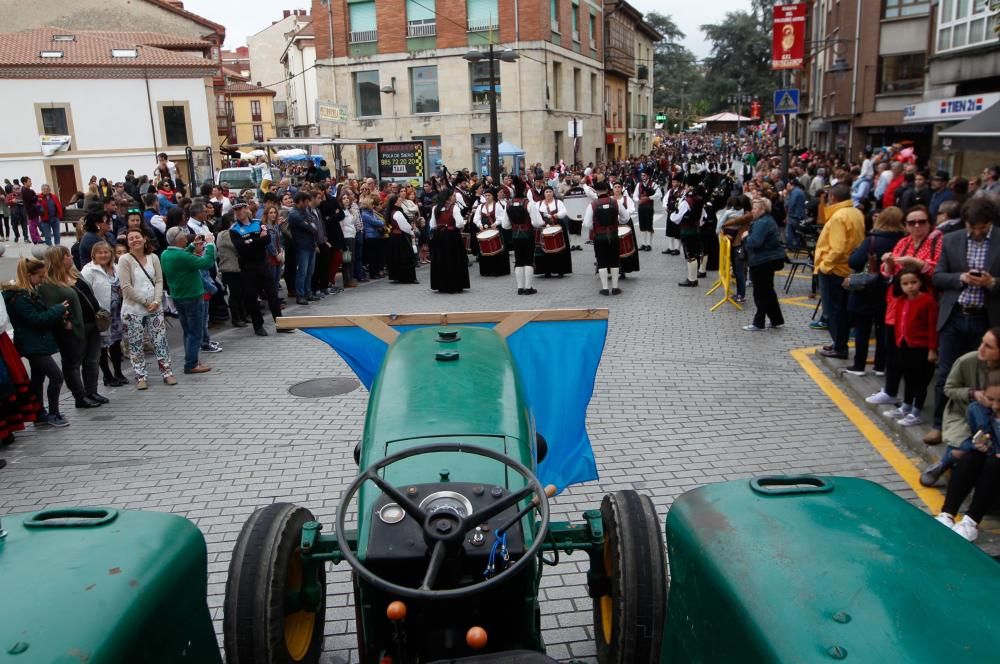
x,y
401,161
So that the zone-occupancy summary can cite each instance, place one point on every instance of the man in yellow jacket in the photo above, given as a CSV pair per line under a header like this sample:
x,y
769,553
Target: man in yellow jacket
x,y
843,232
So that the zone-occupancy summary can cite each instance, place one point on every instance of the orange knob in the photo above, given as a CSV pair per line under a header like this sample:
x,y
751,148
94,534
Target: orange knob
x,y
476,638
396,611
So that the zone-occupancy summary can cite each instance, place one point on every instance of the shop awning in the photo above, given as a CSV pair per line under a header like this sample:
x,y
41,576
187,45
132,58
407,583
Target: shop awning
x,y
952,109
984,125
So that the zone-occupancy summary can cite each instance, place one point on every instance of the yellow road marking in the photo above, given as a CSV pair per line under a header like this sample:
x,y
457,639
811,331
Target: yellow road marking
x,y
873,434
799,301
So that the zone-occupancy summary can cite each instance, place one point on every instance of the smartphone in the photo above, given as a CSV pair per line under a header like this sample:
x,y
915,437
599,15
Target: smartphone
x,y
976,273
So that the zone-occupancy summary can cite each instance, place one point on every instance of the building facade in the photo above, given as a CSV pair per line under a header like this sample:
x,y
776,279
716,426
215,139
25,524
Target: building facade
x,y
407,79
164,103
266,48
250,109
301,86
640,90
237,61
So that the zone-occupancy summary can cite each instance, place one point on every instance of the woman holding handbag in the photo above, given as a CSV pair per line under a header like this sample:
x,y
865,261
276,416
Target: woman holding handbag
x,y
100,274
80,341
867,286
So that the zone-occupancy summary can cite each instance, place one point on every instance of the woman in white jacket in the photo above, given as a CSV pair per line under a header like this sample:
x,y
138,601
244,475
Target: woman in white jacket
x,y
100,274
349,227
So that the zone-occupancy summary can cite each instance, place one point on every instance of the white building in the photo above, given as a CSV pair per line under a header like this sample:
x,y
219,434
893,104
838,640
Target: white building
x,y
268,45
117,104
301,90
640,91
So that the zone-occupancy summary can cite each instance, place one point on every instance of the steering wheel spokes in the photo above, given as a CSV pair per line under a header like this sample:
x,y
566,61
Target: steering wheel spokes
x,y
444,531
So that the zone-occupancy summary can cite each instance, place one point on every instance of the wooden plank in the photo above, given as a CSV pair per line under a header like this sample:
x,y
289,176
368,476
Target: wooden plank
x,y
376,327
514,322
454,318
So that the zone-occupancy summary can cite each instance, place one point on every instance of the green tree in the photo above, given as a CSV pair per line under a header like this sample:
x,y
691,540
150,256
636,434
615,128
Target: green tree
x,y
675,73
741,51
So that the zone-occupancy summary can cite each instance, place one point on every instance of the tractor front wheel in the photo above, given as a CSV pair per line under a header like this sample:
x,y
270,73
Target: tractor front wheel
x,y
629,612
265,619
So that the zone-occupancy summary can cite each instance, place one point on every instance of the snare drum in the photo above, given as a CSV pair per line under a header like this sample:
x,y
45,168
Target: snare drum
x,y
553,240
626,242
490,243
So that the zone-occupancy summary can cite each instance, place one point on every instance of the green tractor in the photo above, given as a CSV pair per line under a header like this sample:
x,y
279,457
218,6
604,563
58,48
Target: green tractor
x,y
446,529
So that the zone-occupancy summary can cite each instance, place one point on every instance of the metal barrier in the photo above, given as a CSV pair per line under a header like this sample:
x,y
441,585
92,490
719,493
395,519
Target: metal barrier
x,y
726,278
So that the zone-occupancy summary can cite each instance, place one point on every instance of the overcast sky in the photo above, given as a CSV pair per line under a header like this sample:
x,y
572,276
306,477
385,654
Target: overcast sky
x,y
245,17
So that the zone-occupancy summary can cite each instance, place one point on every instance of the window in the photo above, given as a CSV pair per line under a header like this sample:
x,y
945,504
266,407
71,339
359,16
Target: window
x,y
367,99
576,22
595,91
480,73
621,110
424,89
420,19
964,23
901,73
482,15
576,88
54,121
593,31
607,107
363,26
175,125
556,84
904,8
255,110
258,132
554,14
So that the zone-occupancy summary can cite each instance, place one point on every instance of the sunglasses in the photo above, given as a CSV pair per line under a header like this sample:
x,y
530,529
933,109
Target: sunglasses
x,y
917,222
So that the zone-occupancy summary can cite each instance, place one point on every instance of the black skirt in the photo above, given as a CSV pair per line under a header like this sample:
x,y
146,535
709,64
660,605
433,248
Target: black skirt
x,y
558,263
449,263
497,265
606,251
645,218
399,259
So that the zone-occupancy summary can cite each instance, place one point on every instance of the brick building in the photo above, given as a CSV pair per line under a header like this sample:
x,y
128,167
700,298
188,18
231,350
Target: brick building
x,y
398,68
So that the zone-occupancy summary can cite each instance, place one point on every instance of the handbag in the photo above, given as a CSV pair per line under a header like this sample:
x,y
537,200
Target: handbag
x,y
859,281
102,317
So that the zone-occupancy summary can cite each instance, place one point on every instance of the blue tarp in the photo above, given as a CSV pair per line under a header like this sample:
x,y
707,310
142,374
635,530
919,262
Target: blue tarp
x,y
557,362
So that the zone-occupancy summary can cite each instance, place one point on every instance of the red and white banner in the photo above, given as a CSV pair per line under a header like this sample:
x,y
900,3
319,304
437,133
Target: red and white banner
x,y
789,36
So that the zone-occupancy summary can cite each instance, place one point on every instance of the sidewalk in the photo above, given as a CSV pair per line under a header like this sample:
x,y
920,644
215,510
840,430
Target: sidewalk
x,y
907,439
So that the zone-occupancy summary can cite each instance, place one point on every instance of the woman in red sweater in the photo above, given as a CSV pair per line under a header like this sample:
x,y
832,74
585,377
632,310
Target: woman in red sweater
x,y
916,342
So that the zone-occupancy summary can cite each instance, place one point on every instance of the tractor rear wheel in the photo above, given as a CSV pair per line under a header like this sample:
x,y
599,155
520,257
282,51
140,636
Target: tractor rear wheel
x,y
266,569
628,616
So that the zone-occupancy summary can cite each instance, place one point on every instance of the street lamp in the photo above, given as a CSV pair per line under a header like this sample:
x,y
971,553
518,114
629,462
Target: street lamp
x,y
739,99
491,56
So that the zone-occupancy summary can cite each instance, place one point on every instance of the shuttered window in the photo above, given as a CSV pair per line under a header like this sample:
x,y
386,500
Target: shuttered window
x,y
420,10
362,16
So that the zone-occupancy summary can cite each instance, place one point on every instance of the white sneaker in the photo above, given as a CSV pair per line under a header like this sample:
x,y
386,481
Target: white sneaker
x,y
911,419
967,528
946,519
853,372
879,373
897,413
881,397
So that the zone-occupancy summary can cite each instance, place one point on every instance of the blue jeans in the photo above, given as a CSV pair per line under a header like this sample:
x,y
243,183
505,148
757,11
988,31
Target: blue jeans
x,y
191,314
961,334
791,239
835,310
206,338
305,262
50,231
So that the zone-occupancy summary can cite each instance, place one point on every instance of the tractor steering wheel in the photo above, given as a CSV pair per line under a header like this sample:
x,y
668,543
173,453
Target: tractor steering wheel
x,y
444,531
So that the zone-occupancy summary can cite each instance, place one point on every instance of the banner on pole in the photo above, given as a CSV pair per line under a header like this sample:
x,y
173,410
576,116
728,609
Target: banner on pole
x,y
788,46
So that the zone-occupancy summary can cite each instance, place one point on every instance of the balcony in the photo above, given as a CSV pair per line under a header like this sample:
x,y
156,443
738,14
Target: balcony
x,y
364,36
642,73
223,123
639,121
421,28
482,24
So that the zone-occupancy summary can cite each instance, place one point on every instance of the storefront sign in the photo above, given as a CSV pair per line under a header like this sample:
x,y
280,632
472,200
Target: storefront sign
x,y
401,161
952,109
788,45
328,112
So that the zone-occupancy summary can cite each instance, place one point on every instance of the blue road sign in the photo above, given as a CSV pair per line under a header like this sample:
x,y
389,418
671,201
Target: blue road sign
x,y
786,102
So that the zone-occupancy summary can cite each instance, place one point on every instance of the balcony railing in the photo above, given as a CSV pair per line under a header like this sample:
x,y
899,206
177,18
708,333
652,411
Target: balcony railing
x,y
421,29
364,36
482,24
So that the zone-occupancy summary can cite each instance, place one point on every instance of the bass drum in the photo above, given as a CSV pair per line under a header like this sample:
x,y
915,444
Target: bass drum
x,y
631,603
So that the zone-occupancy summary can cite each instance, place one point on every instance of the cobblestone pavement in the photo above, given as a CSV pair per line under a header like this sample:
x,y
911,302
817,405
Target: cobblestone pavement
x,y
683,398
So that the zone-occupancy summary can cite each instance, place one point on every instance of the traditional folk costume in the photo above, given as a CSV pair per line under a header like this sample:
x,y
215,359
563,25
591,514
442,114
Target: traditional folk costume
x,y
630,263
645,194
522,219
553,213
449,264
602,217
490,216
689,214
399,253
671,202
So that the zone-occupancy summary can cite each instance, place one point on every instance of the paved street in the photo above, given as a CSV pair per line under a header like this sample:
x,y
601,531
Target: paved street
x,y
683,398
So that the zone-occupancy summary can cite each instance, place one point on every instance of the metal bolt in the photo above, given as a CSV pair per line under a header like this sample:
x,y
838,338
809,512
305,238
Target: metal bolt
x,y
478,490
478,537
18,648
445,474
496,492
443,527
837,652
842,617
412,491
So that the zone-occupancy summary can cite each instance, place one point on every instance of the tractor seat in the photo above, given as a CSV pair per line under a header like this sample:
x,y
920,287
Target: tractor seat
x,y
509,657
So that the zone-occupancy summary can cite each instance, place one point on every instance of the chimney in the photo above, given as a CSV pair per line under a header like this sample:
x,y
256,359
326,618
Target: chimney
x,y
176,3
286,13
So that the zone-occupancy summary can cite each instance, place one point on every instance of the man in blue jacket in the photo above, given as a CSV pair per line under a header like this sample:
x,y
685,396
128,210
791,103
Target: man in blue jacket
x,y
304,237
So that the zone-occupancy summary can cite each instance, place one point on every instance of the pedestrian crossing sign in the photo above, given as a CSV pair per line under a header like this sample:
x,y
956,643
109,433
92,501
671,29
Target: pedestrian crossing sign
x,y
786,102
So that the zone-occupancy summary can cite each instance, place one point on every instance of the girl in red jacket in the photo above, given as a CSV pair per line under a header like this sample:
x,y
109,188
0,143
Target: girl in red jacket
x,y
916,342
